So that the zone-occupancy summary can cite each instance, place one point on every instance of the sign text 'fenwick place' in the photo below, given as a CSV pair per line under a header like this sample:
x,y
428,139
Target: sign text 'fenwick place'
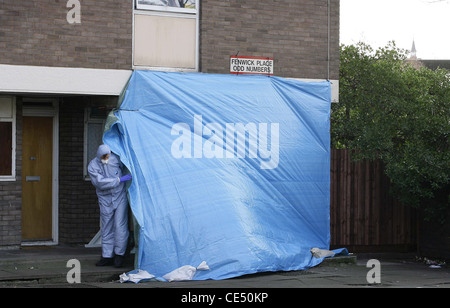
x,y
251,65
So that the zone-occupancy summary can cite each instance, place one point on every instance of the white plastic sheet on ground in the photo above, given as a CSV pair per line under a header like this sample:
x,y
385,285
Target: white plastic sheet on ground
x,y
231,170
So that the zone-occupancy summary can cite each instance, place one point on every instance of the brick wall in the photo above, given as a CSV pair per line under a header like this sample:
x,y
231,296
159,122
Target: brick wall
x,y
293,32
11,195
78,203
37,33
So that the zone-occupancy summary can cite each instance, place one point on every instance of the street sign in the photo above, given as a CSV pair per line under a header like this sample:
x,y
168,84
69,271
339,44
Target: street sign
x,y
251,65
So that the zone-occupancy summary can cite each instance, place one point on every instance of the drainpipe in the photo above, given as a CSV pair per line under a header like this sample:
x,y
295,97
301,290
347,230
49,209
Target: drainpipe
x,y
329,35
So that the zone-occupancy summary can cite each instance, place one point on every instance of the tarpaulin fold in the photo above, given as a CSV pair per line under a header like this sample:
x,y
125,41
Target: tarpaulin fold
x,y
231,170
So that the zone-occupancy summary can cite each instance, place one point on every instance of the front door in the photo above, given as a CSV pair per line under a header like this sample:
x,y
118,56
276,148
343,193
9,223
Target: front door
x,y
37,178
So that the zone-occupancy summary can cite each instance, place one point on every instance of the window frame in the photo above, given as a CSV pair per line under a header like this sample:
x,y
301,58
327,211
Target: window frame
x,y
12,119
88,120
151,7
155,10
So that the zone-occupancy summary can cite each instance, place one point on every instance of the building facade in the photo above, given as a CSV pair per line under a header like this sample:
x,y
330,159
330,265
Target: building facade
x,y
63,65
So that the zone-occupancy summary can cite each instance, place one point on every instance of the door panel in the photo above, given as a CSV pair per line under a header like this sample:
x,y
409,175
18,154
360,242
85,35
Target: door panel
x,y
37,178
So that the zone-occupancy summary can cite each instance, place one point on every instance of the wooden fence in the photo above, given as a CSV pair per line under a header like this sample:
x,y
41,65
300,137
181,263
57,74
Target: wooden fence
x,y
363,215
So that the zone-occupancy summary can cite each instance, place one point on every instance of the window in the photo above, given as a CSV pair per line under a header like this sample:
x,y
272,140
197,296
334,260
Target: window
x,y
166,35
8,139
180,6
5,148
94,124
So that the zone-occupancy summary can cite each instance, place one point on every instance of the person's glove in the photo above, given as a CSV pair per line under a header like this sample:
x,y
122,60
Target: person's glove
x,y
125,178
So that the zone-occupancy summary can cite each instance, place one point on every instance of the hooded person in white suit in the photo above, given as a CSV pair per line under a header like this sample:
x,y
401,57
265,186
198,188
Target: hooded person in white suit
x,y
106,175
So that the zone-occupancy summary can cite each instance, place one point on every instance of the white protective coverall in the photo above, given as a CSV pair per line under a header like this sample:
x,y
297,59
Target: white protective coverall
x,y
112,198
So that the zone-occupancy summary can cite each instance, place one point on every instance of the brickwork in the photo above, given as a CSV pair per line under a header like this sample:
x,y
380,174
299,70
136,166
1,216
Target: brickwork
x,y
78,203
293,32
11,194
37,33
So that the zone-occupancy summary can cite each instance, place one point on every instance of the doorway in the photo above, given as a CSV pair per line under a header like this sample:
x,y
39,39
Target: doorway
x,y
39,177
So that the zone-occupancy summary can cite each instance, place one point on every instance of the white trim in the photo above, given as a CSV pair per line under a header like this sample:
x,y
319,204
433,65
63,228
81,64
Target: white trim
x,y
54,113
61,80
161,8
197,34
85,143
164,14
96,241
38,243
171,9
165,69
12,177
87,121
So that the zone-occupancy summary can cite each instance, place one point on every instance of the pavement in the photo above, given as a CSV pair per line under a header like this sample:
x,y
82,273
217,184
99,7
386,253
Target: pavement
x,y
48,267
44,265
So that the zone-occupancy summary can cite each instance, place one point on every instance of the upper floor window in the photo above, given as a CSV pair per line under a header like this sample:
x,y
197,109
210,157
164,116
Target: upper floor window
x,y
166,35
179,6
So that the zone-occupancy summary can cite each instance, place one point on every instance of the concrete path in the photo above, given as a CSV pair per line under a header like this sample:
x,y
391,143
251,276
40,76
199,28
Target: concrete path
x,y
48,267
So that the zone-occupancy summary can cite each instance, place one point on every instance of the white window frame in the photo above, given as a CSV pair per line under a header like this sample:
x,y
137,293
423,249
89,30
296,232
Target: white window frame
x,y
157,10
88,120
12,119
161,8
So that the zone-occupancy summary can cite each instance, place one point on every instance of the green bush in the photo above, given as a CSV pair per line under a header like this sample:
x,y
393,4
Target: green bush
x,y
390,111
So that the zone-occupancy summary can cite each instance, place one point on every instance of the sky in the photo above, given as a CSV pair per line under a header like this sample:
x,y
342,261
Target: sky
x,y
376,22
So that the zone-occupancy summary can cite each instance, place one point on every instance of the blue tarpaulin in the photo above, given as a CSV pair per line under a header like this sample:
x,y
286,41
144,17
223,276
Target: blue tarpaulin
x,y
231,170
